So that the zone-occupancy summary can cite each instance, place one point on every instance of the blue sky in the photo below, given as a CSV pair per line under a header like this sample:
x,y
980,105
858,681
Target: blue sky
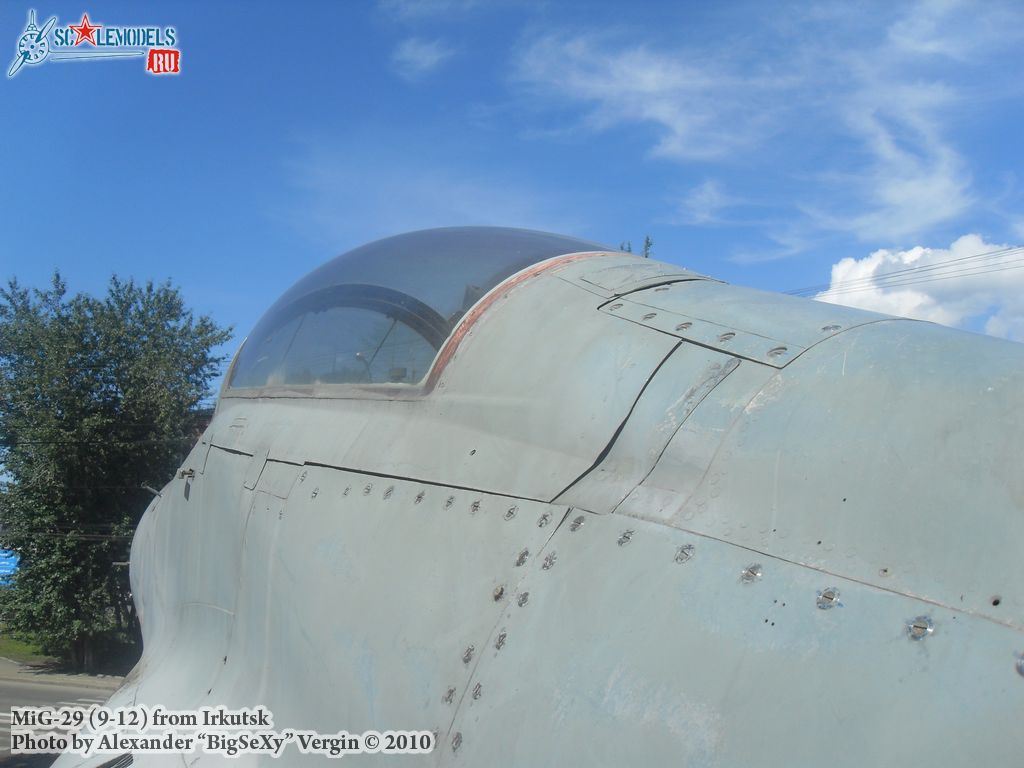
x,y
774,145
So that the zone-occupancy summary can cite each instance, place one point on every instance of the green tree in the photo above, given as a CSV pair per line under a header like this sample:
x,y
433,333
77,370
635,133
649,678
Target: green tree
x,y
627,246
99,398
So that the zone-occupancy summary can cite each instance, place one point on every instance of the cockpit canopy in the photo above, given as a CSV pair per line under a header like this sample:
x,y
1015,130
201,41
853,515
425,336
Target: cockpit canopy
x,y
380,313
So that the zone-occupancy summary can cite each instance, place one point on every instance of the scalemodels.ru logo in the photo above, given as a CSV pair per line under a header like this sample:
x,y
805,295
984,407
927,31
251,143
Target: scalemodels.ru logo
x,y
90,41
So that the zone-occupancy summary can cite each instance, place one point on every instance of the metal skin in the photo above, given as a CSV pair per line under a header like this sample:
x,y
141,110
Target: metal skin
x,y
635,517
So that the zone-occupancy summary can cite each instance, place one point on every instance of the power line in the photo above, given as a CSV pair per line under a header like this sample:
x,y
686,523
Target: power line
x,y
929,279
960,266
907,270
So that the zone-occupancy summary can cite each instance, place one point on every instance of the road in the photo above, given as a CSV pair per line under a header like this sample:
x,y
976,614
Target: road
x,y
22,687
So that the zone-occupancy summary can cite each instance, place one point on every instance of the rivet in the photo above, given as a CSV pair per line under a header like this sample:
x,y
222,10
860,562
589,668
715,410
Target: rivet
x,y
828,598
544,520
304,475
368,489
576,524
650,316
685,553
511,513
777,351
1020,664
920,628
456,741
315,493
625,538
448,502
830,328
684,326
523,599
521,559
449,696
347,491
477,690
751,573
467,655
390,490
474,507
499,642
613,307
727,336
549,561
419,497
499,592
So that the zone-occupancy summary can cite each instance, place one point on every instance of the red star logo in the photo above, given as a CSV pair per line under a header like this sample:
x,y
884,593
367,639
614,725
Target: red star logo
x,y
86,32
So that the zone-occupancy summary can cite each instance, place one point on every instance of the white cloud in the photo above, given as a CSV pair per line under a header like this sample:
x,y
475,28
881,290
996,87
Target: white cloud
x,y
973,283
695,104
704,204
862,110
415,57
904,98
955,29
909,176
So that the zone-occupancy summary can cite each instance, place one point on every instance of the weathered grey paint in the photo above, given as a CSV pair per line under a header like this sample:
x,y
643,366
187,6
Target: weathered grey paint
x,y
625,657
737,542
888,454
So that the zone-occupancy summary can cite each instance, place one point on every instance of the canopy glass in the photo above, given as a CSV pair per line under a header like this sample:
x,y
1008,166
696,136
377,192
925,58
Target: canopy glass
x,y
381,312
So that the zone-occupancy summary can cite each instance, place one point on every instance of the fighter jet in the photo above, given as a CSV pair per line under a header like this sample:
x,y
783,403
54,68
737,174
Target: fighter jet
x,y
561,505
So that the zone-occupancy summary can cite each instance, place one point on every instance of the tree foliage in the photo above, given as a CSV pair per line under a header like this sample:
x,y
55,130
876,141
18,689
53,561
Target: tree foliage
x,y
627,246
99,398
